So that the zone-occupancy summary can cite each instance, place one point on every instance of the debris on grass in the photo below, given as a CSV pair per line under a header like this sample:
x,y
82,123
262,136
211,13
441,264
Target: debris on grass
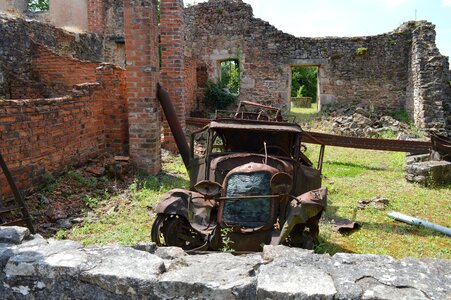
x,y
376,202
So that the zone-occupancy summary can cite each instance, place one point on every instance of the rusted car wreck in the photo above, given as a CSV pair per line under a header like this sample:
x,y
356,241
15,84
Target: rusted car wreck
x,y
250,185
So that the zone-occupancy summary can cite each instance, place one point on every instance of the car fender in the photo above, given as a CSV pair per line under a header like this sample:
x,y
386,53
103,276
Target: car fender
x,y
303,208
190,205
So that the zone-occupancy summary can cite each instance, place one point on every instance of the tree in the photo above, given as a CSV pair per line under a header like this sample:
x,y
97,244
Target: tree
x,y
38,5
304,82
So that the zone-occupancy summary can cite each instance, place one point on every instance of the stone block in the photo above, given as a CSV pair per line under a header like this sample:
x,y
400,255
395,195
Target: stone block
x,y
13,234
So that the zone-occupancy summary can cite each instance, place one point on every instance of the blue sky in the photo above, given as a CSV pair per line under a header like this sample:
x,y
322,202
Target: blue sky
x,y
318,18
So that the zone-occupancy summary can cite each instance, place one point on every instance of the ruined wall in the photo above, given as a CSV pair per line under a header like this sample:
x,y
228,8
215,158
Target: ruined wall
x,y
374,71
20,38
13,5
63,13
219,30
429,93
34,268
59,74
50,135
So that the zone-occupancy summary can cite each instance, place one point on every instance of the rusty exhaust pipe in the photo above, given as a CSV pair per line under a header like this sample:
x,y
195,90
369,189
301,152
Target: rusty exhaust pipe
x,y
174,124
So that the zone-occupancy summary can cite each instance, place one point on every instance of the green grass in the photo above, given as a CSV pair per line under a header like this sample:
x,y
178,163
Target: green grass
x,y
351,175
304,115
127,218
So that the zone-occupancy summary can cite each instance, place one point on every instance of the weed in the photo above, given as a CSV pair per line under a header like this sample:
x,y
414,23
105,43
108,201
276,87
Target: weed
x,y
83,181
60,234
360,51
49,183
402,116
226,241
91,202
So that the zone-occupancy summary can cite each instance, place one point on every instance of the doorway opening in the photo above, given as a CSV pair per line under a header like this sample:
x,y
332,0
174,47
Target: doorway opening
x,y
304,88
230,75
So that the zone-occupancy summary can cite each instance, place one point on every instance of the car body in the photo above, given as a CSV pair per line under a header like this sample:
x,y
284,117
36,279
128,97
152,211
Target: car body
x,y
250,185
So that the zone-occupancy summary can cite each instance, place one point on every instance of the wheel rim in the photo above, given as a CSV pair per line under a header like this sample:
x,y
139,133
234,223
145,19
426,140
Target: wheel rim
x,y
173,230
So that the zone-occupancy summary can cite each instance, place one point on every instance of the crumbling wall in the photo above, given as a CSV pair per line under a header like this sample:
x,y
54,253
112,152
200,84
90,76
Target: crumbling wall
x,y
59,74
49,135
219,30
20,39
34,268
14,6
428,90
72,14
374,71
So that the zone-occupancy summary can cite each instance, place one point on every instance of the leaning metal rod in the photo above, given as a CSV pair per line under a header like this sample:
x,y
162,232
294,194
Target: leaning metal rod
x,y
414,221
16,193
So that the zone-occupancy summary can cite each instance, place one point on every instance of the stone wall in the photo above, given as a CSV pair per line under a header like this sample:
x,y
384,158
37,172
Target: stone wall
x,y
374,71
428,91
34,268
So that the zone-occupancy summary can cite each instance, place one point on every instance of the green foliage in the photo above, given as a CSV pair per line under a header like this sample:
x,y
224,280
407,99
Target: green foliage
x,y
216,97
402,116
91,202
304,82
226,241
230,75
38,5
300,91
83,181
361,50
49,183
60,234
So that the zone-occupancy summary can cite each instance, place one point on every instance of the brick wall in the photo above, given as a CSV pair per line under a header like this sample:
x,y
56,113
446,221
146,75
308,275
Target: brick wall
x,y
190,85
96,16
49,135
113,95
141,43
172,61
59,73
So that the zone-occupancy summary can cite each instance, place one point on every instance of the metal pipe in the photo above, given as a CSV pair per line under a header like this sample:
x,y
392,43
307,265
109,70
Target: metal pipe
x,y
414,221
16,193
174,124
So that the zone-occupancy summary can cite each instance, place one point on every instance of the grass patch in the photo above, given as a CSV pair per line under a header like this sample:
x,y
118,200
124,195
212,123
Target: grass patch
x,y
127,218
304,115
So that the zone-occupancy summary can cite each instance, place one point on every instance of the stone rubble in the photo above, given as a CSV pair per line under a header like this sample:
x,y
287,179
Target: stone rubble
x,y
49,269
358,121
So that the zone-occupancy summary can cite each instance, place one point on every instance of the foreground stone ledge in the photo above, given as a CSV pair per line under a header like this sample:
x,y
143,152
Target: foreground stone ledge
x,y
49,269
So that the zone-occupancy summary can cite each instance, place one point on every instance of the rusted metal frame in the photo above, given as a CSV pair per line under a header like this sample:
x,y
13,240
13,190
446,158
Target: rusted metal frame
x,y
366,143
321,158
17,195
193,134
243,197
174,124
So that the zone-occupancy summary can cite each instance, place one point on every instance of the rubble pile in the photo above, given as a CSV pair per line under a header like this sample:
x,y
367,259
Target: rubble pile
x,y
358,121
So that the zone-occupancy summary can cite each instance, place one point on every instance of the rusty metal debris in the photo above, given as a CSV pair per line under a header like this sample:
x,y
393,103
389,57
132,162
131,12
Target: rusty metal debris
x,y
353,142
18,206
442,145
250,185
344,225
376,202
